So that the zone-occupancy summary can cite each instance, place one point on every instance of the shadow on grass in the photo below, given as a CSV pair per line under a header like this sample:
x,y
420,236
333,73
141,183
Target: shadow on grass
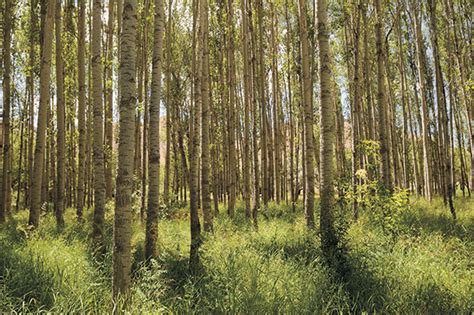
x,y
419,221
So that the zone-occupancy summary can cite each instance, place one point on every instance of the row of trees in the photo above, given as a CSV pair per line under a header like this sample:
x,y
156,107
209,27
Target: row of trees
x,y
248,88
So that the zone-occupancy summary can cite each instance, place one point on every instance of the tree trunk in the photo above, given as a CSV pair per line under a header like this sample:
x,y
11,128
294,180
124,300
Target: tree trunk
x,y
424,106
154,149
61,121
382,100
45,73
98,146
194,145
308,107
247,100
205,190
81,76
124,183
5,192
327,201
109,103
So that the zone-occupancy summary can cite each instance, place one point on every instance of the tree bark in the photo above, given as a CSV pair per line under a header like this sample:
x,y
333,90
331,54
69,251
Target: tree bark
x,y
46,53
154,149
124,183
308,107
382,100
81,111
98,140
61,121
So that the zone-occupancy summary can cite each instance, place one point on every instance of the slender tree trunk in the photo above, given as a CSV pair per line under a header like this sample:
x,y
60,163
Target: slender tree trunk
x,y
308,107
46,54
327,201
81,112
124,183
194,145
5,192
445,159
154,153
247,100
205,190
382,100
109,103
424,106
231,104
61,121
31,94
168,108
98,146
263,112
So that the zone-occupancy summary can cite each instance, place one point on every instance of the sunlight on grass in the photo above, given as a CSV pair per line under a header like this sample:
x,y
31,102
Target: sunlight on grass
x,y
275,269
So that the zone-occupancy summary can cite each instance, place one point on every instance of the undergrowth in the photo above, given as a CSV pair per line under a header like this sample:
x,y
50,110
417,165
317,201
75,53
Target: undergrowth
x,y
422,263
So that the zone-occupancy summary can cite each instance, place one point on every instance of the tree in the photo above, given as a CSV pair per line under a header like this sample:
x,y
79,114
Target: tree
x,y
61,124
108,132
81,70
327,201
247,100
205,190
231,107
381,100
98,146
45,72
5,192
194,143
154,153
308,107
424,103
123,197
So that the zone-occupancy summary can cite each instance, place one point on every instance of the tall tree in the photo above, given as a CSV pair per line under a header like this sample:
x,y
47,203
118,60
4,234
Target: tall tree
x,y
247,101
194,143
154,149
98,146
5,192
81,110
123,197
381,98
205,190
424,101
231,85
61,121
108,130
327,201
46,53
308,105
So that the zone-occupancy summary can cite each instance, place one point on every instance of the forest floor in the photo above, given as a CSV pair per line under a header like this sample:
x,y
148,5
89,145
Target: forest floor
x,y
423,263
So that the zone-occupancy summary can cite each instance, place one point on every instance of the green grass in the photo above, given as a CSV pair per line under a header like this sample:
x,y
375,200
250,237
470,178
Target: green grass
x,y
425,268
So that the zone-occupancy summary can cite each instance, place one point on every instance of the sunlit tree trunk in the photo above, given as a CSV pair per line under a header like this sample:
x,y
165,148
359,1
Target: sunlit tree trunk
x,y
123,198
154,149
382,100
308,117
247,100
46,53
327,201
424,106
166,182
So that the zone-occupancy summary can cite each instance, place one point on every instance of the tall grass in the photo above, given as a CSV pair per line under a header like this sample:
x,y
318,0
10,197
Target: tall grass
x,y
426,268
